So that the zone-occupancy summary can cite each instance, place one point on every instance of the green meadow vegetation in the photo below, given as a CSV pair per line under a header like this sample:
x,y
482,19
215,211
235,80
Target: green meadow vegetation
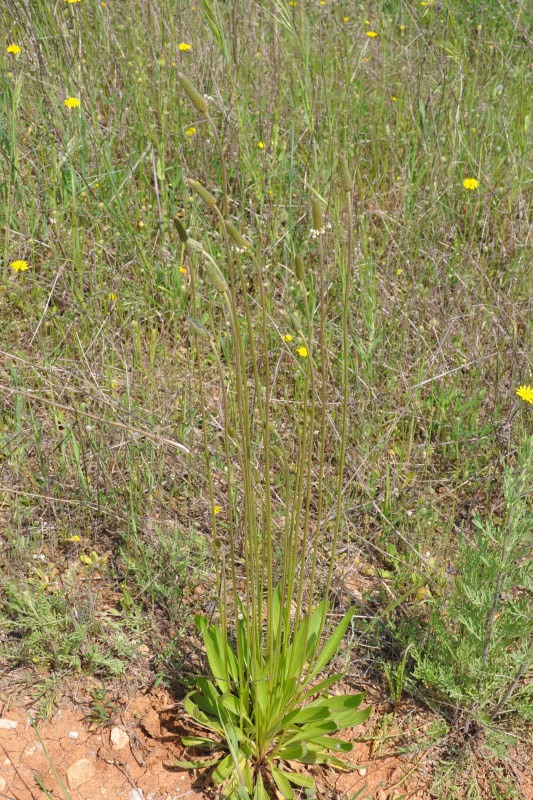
x,y
266,366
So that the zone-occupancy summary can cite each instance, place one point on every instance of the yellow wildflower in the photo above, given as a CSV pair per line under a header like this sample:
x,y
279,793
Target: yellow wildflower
x,y
372,34
399,271
190,131
288,337
345,19
72,1
72,102
470,183
75,538
112,296
216,510
19,266
13,48
261,145
183,46
525,393
302,351
182,270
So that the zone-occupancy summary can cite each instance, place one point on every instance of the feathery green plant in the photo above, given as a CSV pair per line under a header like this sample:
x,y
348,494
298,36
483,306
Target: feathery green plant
x,y
266,703
479,651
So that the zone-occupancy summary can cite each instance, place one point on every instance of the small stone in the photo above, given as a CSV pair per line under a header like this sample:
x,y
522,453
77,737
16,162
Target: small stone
x,y
144,649
73,734
118,738
7,724
362,771
80,772
136,794
2,784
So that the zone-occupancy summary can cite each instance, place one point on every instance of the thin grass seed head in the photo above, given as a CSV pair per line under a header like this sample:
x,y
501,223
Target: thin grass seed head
x,y
182,233
199,329
202,193
346,178
237,236
211,267
216,276
318,219
199,102
194,246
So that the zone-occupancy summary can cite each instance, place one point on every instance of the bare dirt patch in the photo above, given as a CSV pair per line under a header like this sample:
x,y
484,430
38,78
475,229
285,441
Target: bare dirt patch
x,y
132,757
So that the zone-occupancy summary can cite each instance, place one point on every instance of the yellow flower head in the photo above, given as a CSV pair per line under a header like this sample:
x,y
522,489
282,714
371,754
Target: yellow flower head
x,y
190,131
112,296
72,1
216,509
72,102
288,337
261,145
470,183
399,271
183,46
75,538
19,266
345,19
182,270
372,34
525,393
302,351
13,48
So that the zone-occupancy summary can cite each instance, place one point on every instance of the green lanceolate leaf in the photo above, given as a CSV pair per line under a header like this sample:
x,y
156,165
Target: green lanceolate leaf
x,y
282,783
235,705
305,781
219,654
199,764
260,793
309,731
224,769
323,685
201,741
332,644
206,720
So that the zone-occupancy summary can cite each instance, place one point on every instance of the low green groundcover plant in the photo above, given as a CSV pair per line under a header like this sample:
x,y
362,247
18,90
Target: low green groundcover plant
x,y
266,704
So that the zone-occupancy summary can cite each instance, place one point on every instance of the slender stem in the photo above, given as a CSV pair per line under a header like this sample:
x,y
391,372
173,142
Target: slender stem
x,y
225,198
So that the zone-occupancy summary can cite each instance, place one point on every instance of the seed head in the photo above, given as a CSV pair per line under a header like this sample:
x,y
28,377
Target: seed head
x,y
198,328
346,178
237,236
216,276
182,233
199,102
202,193
194,246
318,220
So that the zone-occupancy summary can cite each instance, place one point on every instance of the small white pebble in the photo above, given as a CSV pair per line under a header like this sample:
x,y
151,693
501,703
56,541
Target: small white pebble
x,y
7,724
362,771
73,734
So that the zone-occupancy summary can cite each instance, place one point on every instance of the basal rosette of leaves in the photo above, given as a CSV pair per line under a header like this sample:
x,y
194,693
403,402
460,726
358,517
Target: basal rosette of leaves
x,y
263,722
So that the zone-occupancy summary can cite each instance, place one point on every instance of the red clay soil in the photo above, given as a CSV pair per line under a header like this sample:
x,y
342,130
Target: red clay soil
x,y
132,758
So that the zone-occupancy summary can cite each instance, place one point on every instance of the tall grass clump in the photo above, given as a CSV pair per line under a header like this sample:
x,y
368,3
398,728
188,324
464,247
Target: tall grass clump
x,y
266,702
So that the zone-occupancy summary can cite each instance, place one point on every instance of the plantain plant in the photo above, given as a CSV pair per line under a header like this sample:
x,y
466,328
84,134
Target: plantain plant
x,y
266,706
